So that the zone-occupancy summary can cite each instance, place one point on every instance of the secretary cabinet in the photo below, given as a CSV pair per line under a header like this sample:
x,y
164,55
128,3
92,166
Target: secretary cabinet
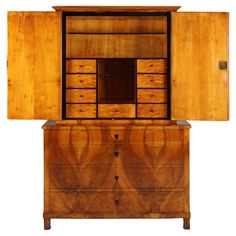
x,y
116,85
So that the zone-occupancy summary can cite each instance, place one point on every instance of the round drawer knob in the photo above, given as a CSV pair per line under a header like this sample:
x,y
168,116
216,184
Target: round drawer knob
x,y
81,110
81,95
151,65
151,80
151,95
81,65
151,110
81,81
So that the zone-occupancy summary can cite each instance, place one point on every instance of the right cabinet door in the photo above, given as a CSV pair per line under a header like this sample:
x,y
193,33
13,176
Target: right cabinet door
x,y
199,66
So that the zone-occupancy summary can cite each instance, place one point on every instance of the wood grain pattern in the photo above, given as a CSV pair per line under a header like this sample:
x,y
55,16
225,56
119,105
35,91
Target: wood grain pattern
x,y
200,90
80,66
152,95
151,81
116,24
81,95
116,110
147,178
81,81
152,111
116,45
116,8
152,65
81,110
34,65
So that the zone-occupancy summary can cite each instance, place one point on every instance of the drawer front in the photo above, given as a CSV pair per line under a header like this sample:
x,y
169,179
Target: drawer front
x,y
126,202
81,81
80,66
116,110
151,81
152,111
152,95
81,110
81,95
152,66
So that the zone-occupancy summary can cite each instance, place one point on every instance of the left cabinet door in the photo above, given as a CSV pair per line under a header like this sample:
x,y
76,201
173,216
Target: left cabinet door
x,y
34,65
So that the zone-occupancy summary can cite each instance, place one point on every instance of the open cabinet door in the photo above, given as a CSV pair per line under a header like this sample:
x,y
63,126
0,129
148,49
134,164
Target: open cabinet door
x,y
199,61
34,65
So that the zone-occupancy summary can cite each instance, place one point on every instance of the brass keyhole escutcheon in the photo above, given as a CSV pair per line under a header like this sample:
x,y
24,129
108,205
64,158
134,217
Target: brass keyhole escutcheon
x,y
116,177
116,136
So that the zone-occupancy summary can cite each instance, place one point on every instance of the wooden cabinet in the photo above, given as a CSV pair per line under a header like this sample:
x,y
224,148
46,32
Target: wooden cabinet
x,y
116,171
115,80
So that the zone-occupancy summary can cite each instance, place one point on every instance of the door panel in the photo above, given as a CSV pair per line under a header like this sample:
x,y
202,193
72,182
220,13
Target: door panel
x,y
34,65
199,88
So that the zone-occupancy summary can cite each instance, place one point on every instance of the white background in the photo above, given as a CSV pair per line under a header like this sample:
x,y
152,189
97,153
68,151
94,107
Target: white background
x,y
212,159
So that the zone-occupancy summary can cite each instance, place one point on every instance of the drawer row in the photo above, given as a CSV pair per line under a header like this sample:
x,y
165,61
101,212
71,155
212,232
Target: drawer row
x,y
103,177
90,66
116,111
89,96
78,81
126,202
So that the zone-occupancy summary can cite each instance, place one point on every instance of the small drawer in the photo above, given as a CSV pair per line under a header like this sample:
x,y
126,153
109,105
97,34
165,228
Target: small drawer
x,y
152,95
81,81
151,81
80,66
152,111
116,110
152,66
80,110
80,95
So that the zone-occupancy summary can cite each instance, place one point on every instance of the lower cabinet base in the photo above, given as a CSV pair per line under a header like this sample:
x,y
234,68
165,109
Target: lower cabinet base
x,y
185,216
116,171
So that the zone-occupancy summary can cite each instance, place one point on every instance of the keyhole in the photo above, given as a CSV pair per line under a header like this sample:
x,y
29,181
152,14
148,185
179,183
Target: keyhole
x,y
116,136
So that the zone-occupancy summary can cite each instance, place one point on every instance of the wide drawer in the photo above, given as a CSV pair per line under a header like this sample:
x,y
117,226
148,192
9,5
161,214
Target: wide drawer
x,y
151,81
81,81
80,66
81,95
128,202
151,66
116,110
80,111
152,95
152,111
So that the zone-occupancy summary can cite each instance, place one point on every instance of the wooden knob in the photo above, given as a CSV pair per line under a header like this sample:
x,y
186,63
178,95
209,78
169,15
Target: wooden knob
x,y
151,95
81,65
151,65
81,95
151,80
81,110
81,81
151,110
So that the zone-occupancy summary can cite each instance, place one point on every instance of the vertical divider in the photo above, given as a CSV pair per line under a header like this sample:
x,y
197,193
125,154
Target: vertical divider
x,y
168,65
136,87
97,78
63,66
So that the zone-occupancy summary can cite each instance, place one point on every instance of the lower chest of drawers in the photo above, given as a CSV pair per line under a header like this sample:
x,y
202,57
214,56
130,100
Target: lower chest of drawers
x,y
116,171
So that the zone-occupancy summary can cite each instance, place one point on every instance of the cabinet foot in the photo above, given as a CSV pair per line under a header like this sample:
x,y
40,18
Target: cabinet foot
x,y
186,223
47,224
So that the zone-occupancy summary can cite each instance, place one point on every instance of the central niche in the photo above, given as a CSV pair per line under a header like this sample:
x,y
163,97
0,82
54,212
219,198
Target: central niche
x,y
116,81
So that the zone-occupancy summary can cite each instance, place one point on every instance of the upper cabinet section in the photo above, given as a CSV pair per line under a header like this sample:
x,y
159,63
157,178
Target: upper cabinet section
x,y
34,65
113,62
199,66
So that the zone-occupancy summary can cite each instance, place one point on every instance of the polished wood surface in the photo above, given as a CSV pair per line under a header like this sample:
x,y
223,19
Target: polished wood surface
x,y
116,8
152,111
116,110
152,95
199,89
81,81
34,65
116,45
116,24
151,81
81,95
97,171
152,66
77,111
80,66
